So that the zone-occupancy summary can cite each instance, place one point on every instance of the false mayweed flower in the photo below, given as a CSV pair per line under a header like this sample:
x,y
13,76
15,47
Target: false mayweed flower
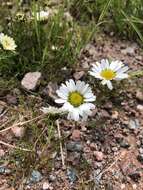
x,y
42,15
107,71
52,110
7,42
76,98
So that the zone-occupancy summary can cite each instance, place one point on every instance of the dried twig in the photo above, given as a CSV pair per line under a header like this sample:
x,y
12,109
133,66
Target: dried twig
x,y
1,115
22,123
119,156
61,148
15,147
39,138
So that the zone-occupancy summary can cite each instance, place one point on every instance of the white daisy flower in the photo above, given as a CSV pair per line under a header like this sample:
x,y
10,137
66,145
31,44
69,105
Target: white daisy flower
x,y
107,71
7,42
76,98
42,15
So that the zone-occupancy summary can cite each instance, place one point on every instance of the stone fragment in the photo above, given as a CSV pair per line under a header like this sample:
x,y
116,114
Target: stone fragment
x,y
115,115
47,186
72,176
2,153
98,155
78,75
76,135
50,90
135,176
124,143
31,80
128,50
12,100
140,108
139,95
134,124
140,158
36,176
18,131
74,146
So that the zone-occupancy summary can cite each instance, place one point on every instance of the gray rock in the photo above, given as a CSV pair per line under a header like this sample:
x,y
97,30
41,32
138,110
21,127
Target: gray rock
x,y
4,170
141,150
36,176
129,50
2,152
108,105
134,124
85,65
115,149
98,155
91,49
97,174
104,114
140,108
124,143
46,186
31,80
139,95
11,99
50,90
16,92
140,158
78,75
52,178
135,176
74,146
72,175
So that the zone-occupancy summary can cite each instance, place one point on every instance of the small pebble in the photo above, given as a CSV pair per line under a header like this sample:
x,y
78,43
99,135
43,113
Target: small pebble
x,y
140,158
139,95
124,143
140,108
135,176
46,186
72,176
134,124
78,75
76,135
74,146
52,178
4,170
36,176
115,115
31,80
11,99
18,131
98,155
2,152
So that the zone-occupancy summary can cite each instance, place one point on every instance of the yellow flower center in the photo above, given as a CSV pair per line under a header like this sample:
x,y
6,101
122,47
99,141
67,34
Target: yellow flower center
x,y
7,42
108,74
75,98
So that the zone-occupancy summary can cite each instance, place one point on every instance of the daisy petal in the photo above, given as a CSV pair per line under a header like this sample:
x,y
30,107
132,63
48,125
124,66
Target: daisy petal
x,y
109,84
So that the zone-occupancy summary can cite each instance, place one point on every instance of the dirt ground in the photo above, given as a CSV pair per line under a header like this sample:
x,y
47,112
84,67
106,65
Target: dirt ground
x,y
106,152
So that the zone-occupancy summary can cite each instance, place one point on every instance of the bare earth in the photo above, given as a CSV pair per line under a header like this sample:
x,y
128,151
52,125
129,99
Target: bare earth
x,y
104,153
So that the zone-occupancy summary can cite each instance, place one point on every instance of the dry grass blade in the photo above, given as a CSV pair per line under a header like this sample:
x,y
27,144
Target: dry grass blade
x,y
104,10
22,123
61,148
133,25
15,147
